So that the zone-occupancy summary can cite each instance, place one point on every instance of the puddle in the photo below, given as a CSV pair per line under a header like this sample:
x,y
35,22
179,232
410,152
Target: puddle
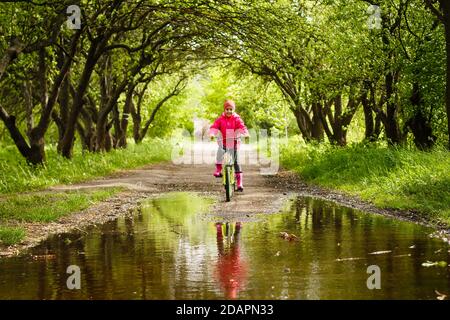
x,y
172,248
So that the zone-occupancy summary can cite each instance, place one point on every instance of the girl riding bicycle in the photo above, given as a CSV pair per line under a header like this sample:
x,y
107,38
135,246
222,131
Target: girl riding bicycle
x,y
230,127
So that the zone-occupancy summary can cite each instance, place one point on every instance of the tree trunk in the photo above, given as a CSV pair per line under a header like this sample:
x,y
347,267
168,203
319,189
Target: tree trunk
x,y
301,123
339,135
103,115
100,136
338,120
33,152
117,127
420,127
91,60
377,131
390,120
42,76
446,15
136,115
108,139
29,107
137,129
391,125
369,134
63,100
122,143
317,132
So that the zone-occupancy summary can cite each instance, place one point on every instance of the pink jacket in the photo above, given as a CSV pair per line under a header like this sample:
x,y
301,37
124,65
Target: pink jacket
x,y
229,128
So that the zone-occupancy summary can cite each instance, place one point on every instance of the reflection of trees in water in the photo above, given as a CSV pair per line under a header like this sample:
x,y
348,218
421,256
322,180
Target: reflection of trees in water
x,y
187,239
125,256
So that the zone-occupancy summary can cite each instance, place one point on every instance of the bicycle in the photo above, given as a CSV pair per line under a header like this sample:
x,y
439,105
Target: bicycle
x,y
228,172
229,181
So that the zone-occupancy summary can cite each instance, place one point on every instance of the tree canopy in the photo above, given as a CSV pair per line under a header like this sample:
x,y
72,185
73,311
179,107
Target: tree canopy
x,y
131,68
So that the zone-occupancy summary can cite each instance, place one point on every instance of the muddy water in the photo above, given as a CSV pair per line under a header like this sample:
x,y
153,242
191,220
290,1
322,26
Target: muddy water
x,y
173,248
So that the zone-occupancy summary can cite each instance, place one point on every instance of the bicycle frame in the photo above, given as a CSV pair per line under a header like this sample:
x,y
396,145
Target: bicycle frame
x,y
228,173
229,182
228,161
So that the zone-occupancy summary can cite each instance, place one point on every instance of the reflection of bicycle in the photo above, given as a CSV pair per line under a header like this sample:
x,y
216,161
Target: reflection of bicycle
x,y
231,268
230,232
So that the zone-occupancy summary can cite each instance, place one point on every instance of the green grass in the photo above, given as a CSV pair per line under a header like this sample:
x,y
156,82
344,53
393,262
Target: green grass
x,y
11,235
389,177
48,207
17,176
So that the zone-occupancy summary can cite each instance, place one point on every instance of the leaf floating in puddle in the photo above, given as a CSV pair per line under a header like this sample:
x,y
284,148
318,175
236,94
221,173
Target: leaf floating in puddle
x,y
349,259
44,257
440,296
429,264
442,264
289,237
381,252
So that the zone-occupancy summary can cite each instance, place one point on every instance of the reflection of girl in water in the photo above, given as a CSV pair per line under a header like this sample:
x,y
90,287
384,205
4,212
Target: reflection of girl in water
x,y
231,270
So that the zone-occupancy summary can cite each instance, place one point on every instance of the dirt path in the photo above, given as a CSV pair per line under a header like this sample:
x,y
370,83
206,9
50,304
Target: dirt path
x,y
262,194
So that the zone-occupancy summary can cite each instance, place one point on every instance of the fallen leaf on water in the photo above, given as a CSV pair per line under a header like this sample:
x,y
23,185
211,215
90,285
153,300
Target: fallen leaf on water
x,y
289,237
348,259
381,252
442,264
284,235
44,257
440,296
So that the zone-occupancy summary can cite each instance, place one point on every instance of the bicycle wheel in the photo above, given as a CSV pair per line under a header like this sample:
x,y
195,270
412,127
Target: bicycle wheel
x,y
228,185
